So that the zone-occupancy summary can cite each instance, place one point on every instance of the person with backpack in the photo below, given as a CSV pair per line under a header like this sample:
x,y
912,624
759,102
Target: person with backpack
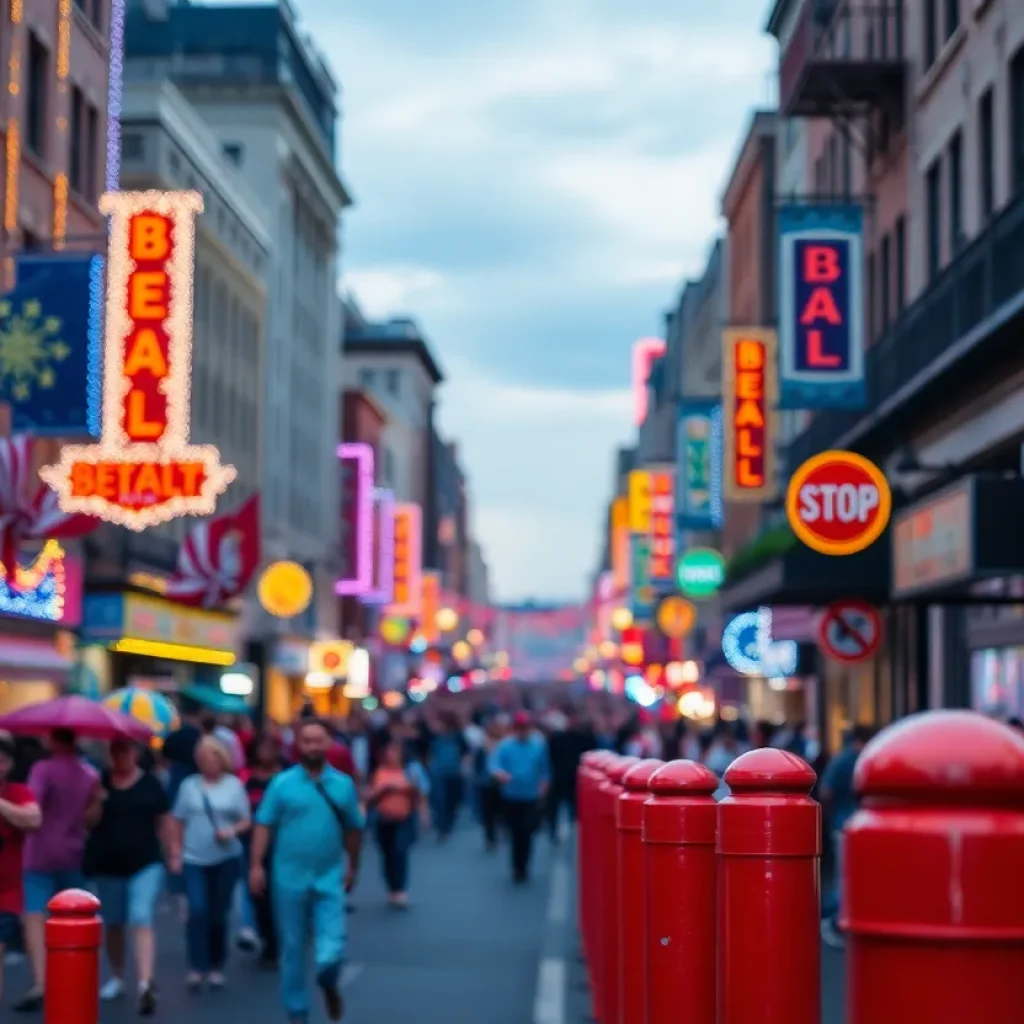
x,y
311,813
397,795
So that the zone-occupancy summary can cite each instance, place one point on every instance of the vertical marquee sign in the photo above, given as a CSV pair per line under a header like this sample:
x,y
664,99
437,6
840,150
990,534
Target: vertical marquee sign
x,y
663,540
408,571
821,307
619,543
641,591
699,468
356,519
749,393
143,471
382,591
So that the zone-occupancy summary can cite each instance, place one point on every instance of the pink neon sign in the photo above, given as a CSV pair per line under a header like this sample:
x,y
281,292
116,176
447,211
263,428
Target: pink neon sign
x,y
645,351
383,589
356,519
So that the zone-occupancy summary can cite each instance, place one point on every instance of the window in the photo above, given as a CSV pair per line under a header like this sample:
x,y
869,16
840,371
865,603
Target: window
x,y
930,32
1017,120
76,151
366,378
952,18
389,467
986,155
933,200
847,182
37,99
885,283
132,146
901,265
956,197
92,153
391,382
233,153
96,14
30,242
872,299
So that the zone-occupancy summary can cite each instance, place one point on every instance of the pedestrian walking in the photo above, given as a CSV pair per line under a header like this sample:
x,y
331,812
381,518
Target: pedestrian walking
x,y
520,766
124,862
19,815
449,753
257,912
211,812
397,796
490,790
312,818
69,795
566,745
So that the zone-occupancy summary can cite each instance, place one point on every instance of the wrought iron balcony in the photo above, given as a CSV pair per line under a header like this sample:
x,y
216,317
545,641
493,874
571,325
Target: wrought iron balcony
x,y
948,341
844,58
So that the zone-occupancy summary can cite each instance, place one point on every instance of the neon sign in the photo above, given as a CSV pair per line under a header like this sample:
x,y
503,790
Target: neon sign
x,y
408,561
645,351
749,390
749,647
663,543
356,519
38,590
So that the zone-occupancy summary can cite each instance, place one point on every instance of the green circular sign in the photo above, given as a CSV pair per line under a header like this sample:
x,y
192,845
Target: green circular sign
x,y
700,572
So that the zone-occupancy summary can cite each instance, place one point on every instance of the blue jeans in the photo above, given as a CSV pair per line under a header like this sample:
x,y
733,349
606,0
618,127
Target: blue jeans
x,y
42,886
296,911
130,900
395,839
209,888
832,897
447,792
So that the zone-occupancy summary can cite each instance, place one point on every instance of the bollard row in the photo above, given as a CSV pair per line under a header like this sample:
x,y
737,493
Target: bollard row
x,y
693,911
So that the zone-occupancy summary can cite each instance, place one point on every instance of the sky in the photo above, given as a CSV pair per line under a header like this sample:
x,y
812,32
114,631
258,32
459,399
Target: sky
x,y
533,181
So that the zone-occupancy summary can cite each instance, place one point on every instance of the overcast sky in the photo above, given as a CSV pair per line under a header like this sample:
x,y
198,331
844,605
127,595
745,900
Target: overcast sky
x,y
533,180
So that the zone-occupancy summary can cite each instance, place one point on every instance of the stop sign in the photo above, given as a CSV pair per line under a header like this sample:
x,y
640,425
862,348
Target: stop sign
x,y
838,503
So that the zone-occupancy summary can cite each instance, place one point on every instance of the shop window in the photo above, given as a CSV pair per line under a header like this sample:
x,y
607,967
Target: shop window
x,y
952,13
956,197
37,95
933,226
986,155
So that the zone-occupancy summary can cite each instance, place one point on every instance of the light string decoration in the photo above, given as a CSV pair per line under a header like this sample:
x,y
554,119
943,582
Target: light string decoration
x,y
115,95
384,591
750,648
94,334
357,509
12,144
37,591
60,180
144,471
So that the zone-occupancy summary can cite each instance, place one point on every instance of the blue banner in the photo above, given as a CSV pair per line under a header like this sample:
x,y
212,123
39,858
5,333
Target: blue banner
x,y
821,307
51,345
699,464
643,596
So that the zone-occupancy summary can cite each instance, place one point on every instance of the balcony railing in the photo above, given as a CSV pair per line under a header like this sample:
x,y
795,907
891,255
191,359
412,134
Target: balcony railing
x,y
966,306
842,57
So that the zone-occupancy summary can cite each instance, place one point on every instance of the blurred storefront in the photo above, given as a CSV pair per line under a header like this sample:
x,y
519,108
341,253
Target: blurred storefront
x,y
39,610
331,674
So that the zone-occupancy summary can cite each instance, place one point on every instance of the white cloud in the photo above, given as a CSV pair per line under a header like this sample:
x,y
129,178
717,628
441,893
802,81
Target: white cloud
x,y
383,291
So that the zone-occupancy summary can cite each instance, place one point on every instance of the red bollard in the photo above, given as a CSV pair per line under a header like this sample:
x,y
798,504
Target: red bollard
x,y
769,892
610,925
596,884
586,777
630,891
680,823
73,934
933,905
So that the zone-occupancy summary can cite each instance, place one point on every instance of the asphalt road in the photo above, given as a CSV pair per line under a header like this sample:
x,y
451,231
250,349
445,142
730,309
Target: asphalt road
x,y
467,951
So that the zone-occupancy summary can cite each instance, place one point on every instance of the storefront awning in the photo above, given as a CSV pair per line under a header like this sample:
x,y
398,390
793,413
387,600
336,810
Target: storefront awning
x,y
32,659
949,544
805,577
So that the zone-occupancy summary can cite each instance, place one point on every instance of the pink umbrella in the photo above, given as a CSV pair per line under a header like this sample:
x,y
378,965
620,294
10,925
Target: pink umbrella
x,y
83,717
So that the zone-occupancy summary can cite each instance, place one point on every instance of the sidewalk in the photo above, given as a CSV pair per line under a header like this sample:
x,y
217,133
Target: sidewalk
x,y
466,952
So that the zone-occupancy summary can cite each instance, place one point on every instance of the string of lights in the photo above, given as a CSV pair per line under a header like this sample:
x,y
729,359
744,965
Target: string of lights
x,y
60,180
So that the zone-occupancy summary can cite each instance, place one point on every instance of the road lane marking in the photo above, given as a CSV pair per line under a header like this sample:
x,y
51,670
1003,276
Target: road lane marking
x,y
558,896
549,1005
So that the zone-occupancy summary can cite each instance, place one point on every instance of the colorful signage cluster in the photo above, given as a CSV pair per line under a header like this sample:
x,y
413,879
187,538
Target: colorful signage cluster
x,y
662,528
143,471
749,394
821,307
838,503
641,591
357,508
408,561
639,501
699,464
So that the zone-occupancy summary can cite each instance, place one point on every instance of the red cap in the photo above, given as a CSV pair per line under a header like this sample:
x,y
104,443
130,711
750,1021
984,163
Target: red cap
x,y
521,718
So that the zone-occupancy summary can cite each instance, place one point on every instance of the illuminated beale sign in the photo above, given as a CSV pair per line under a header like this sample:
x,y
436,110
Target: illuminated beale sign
x,y
144,471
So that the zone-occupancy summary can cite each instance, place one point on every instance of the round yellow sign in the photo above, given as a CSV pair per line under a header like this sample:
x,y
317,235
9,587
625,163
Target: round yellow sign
x,y
675,617
285,589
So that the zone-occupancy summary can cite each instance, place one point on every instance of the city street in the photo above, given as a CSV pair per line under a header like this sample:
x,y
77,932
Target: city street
x,y
468,951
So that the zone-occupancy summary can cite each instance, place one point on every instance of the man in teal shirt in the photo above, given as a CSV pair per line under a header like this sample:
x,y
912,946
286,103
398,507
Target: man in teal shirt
x,y
311,813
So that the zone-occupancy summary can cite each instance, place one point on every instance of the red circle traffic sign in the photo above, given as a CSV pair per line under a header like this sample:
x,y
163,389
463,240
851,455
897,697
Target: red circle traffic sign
x,y
850,631
838,503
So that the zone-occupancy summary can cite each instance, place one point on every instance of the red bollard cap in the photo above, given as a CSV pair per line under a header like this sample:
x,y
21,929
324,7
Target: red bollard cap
x,y
74,903
638,777
952,756
769,770
681,778
617,770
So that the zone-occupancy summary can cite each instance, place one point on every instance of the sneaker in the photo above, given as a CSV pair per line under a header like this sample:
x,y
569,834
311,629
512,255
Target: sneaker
x,y
247,940
112,988
334,1005
831,935
194,981
215,980
147,999
30,1002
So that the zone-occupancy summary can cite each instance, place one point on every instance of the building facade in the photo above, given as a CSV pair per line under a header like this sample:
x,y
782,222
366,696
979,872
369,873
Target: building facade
x,y
448,550
54,123
271,102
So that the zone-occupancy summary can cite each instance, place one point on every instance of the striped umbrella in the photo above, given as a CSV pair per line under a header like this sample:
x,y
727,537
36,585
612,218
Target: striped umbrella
x,y
146,706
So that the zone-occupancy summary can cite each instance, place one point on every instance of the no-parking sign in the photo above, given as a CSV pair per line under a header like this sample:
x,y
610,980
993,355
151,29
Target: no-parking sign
x,y
850,631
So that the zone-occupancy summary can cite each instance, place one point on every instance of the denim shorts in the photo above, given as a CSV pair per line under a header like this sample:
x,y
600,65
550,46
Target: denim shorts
x,y
10,929
131,900
42,886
